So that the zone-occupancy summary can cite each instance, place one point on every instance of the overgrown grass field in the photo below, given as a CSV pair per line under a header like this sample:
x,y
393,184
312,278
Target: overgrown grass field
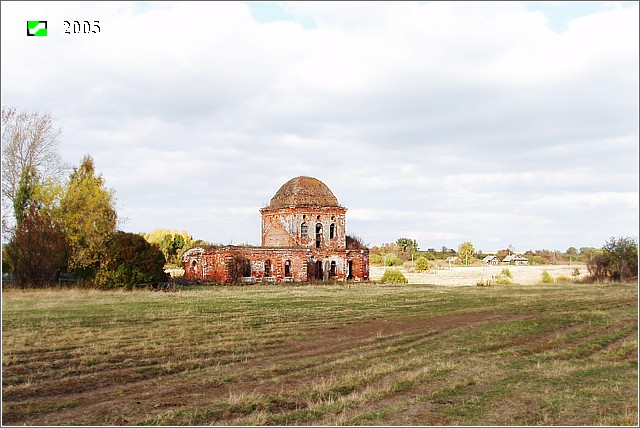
x,y
322,355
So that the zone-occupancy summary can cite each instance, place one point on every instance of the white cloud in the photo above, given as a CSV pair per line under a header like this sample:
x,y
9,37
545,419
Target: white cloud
x,y
457,121
578,202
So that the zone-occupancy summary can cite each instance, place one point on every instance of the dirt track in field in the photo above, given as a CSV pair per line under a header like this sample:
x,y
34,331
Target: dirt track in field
x,y
292,366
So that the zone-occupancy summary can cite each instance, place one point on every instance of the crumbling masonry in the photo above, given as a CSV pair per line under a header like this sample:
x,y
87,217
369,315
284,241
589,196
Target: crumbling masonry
x,y
303,238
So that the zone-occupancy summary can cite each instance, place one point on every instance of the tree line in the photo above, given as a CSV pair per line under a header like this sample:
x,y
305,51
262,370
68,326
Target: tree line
x,y
59,221
616,260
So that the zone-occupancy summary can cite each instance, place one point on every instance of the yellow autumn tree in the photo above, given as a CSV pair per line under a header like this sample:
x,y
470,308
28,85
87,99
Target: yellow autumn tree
x,y
89,218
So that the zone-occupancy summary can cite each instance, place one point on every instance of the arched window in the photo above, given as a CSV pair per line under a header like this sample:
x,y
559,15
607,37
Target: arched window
x,y
332,272
318,234
246,268
267,268
319,270
304,230
332,231
287,268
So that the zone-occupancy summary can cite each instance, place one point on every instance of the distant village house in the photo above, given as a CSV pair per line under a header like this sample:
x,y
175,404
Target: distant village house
x,y
490,260
517,260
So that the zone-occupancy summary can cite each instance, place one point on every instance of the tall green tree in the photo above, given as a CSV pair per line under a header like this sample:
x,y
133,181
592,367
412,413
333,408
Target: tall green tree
x,y
407,245
25,200
571,251
466,252
89,218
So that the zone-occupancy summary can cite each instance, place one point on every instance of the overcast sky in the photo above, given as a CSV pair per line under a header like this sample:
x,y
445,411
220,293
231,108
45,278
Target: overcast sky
x,y
497,123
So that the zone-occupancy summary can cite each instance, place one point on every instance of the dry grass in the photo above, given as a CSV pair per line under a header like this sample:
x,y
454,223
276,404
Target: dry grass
x,y
322,355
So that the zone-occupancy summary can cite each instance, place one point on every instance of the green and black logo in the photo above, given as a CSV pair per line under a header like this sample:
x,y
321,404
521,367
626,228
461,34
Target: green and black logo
x,y
36,28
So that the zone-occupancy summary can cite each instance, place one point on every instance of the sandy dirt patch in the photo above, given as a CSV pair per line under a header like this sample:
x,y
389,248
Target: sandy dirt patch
x,y
472,275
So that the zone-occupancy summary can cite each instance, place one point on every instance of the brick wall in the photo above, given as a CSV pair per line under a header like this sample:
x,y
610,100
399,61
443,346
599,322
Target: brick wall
x,y
283,227
269,264
217,264
359,264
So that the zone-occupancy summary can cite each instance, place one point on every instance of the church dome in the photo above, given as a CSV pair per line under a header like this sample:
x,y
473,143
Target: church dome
x,y
303,191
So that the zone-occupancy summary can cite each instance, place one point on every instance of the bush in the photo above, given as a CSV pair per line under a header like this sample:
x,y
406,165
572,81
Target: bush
x,y
389,259
506,273
37,252
618,261
429,256
129,262
546,278
504,277
422,264
393,276
375,259
621,256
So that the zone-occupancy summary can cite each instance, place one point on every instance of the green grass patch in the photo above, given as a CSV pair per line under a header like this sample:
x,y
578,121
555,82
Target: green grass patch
x,y
339,354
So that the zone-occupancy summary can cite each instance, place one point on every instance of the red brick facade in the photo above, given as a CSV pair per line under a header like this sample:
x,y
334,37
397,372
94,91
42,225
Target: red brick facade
x,y
303,238
229,264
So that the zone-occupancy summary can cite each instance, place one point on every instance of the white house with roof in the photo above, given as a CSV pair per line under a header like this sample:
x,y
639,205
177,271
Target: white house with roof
x,y
490,260
517,260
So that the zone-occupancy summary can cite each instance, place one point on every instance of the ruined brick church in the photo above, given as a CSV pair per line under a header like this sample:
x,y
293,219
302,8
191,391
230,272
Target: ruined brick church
x,y
303,238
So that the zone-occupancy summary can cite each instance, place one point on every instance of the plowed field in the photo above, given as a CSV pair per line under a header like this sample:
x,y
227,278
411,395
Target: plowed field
x,y
322,355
